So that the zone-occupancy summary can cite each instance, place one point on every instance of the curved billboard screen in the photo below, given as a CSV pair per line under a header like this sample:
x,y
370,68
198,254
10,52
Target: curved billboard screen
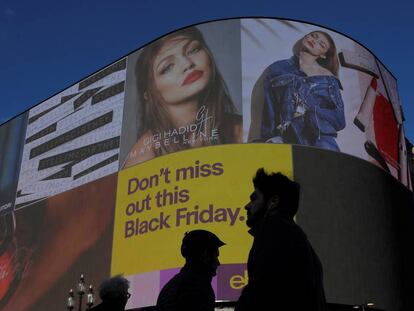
x,y
105,177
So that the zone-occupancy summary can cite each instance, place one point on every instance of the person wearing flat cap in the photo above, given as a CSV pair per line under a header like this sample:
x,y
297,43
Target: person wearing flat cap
x,y
190,289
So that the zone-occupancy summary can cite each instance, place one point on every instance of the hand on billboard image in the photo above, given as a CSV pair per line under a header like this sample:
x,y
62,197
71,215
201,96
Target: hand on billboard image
x,y
302,99
184,97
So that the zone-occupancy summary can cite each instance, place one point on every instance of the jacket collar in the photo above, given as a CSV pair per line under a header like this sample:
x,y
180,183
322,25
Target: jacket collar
x,y
294,62
253,231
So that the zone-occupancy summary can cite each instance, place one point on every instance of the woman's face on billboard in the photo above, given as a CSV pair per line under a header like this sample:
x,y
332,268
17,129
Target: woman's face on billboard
x,y
316,43
181,69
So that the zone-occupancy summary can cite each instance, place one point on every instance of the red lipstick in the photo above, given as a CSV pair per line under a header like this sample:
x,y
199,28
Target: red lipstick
x,y
193,76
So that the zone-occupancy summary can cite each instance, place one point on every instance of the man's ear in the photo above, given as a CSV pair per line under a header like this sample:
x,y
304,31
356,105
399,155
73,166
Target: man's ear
x,y
273,203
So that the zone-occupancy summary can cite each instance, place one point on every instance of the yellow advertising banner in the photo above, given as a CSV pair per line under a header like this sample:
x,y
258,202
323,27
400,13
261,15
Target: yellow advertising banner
x,y
207,188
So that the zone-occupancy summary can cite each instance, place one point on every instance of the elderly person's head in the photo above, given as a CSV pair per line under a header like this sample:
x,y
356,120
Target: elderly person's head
x,y
114,291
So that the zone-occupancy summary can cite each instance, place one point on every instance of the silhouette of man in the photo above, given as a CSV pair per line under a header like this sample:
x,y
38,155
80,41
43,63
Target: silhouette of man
x,y
114,294
190,289
284,271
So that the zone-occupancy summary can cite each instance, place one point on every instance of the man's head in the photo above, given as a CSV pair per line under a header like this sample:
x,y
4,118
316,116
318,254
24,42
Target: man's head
x,y
201,247
273,192
114,291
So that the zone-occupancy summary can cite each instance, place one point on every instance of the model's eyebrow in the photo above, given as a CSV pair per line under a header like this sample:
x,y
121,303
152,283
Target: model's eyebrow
x,y
171,56
162,61
191,42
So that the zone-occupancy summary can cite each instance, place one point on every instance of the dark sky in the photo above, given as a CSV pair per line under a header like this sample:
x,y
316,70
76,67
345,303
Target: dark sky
x,y
45,46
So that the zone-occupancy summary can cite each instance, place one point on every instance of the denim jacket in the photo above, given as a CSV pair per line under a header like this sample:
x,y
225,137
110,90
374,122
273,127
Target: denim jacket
x,y
310,106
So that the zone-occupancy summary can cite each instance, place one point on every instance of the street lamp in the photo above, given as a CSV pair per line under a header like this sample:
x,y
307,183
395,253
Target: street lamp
x,y
80,290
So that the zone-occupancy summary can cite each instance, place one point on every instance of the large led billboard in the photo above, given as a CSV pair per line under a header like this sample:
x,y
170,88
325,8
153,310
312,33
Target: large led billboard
x,y
184,91
12,141
73,137
105,177
336,96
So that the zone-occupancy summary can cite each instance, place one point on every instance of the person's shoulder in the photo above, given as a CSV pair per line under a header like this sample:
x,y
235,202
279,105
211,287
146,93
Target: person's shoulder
x,y
282,225
280,67
177,282
183,288
169,292
176,279
283,63
142,151
296,233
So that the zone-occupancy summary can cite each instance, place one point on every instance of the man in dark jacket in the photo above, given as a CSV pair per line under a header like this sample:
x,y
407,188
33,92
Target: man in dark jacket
x,y
114,294
190,289
284,271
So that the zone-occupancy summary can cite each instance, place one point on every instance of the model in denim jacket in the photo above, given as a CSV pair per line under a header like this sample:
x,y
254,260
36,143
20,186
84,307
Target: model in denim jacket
x,y
303,104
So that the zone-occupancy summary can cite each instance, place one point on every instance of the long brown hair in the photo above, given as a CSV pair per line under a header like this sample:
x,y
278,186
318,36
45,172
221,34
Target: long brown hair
x,y
215,97
330,62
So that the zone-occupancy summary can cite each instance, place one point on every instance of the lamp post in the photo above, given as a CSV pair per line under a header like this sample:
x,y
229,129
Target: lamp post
x,y
80,290
70,304
90,299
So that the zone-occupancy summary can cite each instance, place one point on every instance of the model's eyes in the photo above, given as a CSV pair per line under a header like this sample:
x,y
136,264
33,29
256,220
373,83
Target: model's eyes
x,y
325,45
193,47
193,50
320,40
166,68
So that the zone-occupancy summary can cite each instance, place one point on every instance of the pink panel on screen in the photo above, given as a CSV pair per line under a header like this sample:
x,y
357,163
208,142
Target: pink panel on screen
x,y
166,275
214,284
144,289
